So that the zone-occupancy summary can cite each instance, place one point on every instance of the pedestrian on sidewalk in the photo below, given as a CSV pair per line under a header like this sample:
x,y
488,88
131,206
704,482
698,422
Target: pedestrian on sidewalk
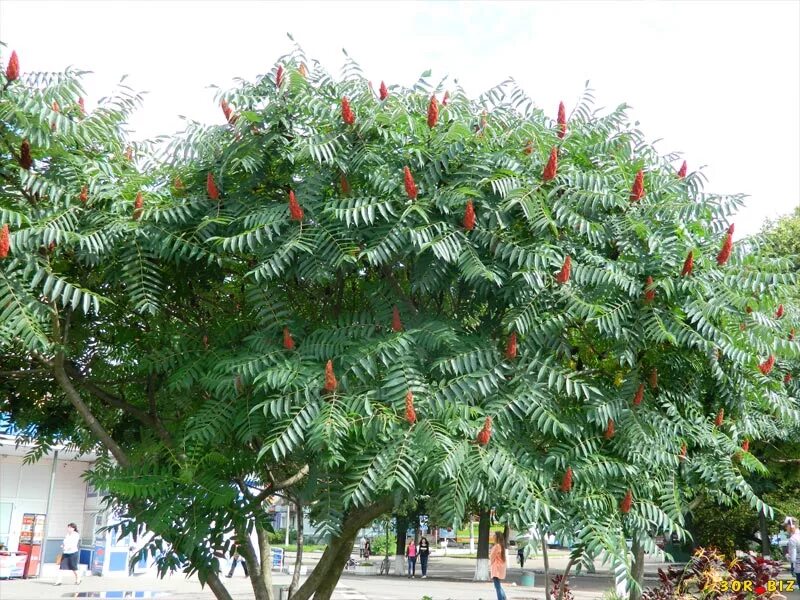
x,y
497,564
793,547
69,554
367,550
411,554
235,558
521,557
424,551
361,543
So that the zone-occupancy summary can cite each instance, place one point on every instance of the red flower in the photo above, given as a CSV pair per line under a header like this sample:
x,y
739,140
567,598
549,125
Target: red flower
x,y
720,417
688,264
12,70
469,216
485,434
411,414
344,184
446,98
397,324
562,120
566,482
682,170
330,378
84,196
787,378
137,206
746,445
654,378
551,167
411,187
637,191
779,312
211,187
25,158
433,112
348,116
279,76
383,91
766,366
625,506
228,111
563,275
529,147
295,210
727,247
5,241
288,342
511,346
637,399
649,291
610,430
791,334
682,455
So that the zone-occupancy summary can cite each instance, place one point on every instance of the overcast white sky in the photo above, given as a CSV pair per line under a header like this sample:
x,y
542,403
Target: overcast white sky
x,y
719,81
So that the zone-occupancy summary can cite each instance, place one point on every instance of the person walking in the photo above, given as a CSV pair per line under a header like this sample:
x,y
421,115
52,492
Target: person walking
x,y
236,558
793,547
70,550
411,554
497,564
424,552
367,550
521,557
361,543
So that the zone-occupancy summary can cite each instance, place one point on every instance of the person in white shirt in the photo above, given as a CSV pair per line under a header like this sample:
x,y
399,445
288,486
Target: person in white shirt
x,y
69,553
793,547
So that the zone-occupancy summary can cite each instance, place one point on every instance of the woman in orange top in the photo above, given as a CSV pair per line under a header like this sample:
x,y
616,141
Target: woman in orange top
x,y
497,564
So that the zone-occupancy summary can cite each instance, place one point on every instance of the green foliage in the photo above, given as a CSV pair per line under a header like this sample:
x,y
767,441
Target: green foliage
x,y
726,528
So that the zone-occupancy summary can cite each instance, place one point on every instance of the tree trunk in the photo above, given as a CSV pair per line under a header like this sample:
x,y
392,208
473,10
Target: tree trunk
x,y
637,572
482,564
400,547
563,585
323,579
298,561
546,567
265,559
216,586
766,546
257,569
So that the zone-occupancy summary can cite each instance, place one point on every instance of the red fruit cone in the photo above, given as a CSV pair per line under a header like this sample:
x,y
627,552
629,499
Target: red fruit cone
x,y
211,187
682,171
408,180
682,455
288,342
511,346
303,70
551,168
625,506
279,76
330,379
610,429
688,264
178,184
348,116
469,216
787,378
12,70
529,148
639,396
137,206
84,195
397,324
566,482
562,120
446,98
295,210
746,445
25,158
727,247
720,417
228,111
637,191
563,275
383,91
344,185
649,291
485,433
433,112
766,366
779,312
748,309
5,241
411,414
731,228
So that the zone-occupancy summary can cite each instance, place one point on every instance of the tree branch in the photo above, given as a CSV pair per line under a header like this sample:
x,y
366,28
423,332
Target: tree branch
x,y
280,485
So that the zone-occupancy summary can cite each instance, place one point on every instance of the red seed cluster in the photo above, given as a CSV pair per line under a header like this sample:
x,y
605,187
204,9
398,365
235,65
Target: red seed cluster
x,y
279,76
485,434
566,482
25,158
649,291
411,414
688,264
211,187
720,417
344,185
610,429
84,195
330,379
446,98
627,501
511,346
529,148
639,396
791,334
408,181
727,247
787,379
469,216
348,116
779,312
288,342
746,445
5,241
551,168
397,324
682,171
433,112
138,206
682,455
563,274
766,366
303,70
562,120
295,210
654,378
228,111
12,70
637,191
383,91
